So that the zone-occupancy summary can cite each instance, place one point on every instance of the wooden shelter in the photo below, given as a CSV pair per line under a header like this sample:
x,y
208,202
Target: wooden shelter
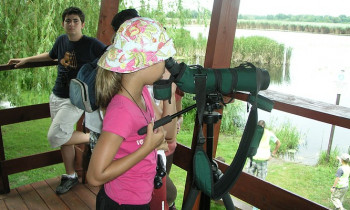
x,y
218,55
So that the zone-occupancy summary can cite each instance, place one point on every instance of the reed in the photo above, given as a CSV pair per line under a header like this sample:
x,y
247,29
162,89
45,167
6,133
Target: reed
x,y
308,27
331,161
288,134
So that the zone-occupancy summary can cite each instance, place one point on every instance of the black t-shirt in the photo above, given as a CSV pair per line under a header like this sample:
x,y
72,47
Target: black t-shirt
x,y
71,56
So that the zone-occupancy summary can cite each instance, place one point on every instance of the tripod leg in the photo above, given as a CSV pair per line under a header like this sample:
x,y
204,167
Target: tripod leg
x,y
228,202
191,199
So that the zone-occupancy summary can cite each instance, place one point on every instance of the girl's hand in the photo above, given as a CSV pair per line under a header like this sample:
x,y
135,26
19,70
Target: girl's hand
x,y
154,138
163,146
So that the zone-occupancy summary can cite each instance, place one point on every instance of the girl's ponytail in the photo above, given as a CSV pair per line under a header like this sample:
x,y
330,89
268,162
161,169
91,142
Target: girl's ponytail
x,y
108,84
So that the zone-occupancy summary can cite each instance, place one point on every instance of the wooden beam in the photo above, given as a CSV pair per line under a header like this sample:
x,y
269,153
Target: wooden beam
x,y
4,67
4,179
31,162
304,107
25,113
105,31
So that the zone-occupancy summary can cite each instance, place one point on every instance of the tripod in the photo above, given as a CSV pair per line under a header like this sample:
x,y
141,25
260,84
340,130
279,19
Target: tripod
x,y
210,118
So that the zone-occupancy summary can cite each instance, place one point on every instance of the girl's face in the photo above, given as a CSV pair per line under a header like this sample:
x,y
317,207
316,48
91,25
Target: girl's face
x,y
155,72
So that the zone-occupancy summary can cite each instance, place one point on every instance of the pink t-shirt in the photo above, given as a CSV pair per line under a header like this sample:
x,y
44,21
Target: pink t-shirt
x,y
124,118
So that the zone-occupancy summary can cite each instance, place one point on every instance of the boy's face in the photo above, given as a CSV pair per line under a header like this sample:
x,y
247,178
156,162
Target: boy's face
x,y
73,25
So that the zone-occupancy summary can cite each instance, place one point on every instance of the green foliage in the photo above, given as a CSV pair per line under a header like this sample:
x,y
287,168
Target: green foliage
x,y
30,28
289,136
188,117
309,27
258,50
24,139
232,121
331,161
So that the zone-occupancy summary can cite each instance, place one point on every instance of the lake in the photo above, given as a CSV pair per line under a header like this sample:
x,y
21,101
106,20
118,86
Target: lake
x,y
315,72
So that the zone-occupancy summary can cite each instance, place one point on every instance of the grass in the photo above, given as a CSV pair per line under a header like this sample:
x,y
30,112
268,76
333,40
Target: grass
x,y
310,182
313,183
29,138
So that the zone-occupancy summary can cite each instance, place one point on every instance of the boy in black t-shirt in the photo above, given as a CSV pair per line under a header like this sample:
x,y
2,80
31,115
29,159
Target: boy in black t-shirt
x,y
72,50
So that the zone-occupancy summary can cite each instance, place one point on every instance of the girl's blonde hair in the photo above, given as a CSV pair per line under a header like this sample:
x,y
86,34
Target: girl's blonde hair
x,y
108,84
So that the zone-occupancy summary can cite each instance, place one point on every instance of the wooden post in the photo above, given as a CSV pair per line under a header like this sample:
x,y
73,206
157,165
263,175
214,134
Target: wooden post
x,y
332,133
218,55
105,31
4,179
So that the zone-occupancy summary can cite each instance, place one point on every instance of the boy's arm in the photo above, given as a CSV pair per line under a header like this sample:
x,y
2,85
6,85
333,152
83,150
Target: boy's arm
x,y
278,144
36,58
335,184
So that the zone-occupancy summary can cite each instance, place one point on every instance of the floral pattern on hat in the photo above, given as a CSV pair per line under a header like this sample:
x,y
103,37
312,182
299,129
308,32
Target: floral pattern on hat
x,y
139,43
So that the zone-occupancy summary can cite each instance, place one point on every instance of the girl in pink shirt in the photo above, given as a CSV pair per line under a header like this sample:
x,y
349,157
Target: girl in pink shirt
x,y
123,161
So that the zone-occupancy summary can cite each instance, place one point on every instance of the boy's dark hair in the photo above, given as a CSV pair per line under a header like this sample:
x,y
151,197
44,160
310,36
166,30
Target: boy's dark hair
x,y
122,16
73,11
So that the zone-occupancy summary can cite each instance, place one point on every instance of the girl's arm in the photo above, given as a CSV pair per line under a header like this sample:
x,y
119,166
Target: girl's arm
x,y
102,167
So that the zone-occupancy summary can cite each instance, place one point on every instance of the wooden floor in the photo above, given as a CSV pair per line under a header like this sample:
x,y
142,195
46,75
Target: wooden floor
x,y
41,195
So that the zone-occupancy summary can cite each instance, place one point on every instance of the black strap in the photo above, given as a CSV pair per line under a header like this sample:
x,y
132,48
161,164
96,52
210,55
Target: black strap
x,y
191,198
218,80
225,183
234,80
200,82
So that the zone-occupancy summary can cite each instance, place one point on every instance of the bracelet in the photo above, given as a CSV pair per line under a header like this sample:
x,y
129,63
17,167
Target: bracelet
x,y
333,187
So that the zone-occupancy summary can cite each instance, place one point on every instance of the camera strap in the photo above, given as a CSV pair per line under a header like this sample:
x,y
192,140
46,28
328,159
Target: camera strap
x,y
200,84
202,165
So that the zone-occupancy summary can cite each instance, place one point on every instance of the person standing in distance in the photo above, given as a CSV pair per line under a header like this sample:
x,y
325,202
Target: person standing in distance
x,y
258,164
341,182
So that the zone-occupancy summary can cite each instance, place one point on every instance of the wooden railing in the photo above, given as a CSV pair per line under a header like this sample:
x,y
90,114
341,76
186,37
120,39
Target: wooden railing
x,y
260,193
27,113
247,188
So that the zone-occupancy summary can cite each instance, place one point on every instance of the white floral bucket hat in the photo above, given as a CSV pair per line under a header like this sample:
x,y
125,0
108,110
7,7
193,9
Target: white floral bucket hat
x,y
139,43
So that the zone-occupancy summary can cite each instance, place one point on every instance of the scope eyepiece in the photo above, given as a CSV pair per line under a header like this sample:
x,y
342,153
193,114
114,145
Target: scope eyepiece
x,y
169,63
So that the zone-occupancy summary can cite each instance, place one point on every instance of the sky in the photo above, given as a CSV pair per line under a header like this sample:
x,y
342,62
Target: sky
x,y
293,7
